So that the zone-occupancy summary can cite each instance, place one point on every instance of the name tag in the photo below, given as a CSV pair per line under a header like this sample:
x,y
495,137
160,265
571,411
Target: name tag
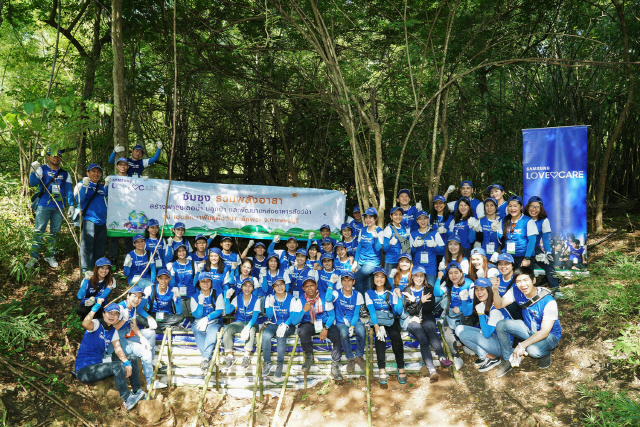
x,y
511,247
160,315
424,258
491,248
55,189
575,260
106,358
296,294
318,326
158,262
183,291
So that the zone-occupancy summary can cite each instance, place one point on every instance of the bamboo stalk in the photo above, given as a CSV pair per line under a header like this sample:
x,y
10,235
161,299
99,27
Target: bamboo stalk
x,y
155,370
454,371
284,386
205,386
367,338
169,355
256,379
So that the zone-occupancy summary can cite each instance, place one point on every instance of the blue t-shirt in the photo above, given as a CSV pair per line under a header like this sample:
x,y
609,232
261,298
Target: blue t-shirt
x,y
137,166
351,246
524,228
489,237
535,313
347,307
182,277
151,246
94,344
162,302
60,187
409,218
392,252
369,250
424,255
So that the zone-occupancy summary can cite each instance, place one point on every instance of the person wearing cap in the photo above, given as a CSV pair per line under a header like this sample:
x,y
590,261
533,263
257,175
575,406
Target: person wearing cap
x,y
221,277
394,236
369,251
135,264
539,328
455,289
504,281
163,303
484,341
92,200
153,241
385,309
318,319
247,308
202,242
346,304
466,189
535,210
244,271
274,271
284,311
518,232
357,224
93,365
453,252
54,186
399,277
143,342
426,241
230,258
479,265
419,303
490,224
207,307
408,212
349,239
96,287
136,162
328,276
325,238
343,262
497,193
288,257
313,257
465,225
439,219
259,259
299,271
176,240
183,272
113,242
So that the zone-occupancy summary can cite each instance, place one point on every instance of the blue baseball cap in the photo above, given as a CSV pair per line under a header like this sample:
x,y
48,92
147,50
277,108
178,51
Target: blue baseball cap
x,y
181,245
248,280
225,238
277,279
111,307
454,238
259,244
163,271
327,240
273,255
405,255
136,290
93,166
204,275
294,238
152,222
325,226
138,237
506,257
465,199
122,159
439,198
405,191
302,251
102,262
346,225
478,251
491,199
535,199
138,147
463,183
453,264
380,270
421,213
326,255
341,245
492,186
356,209
179,225
371,211
200,236
482,282
57,155
217,251
393,209
308,278
418,269
347,273
515,199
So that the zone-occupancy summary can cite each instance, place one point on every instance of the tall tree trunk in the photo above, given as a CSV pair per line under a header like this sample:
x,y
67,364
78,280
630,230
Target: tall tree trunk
x,y
119,101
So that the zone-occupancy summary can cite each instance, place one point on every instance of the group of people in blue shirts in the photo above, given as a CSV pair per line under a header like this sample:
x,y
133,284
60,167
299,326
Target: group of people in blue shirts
x,y
467,264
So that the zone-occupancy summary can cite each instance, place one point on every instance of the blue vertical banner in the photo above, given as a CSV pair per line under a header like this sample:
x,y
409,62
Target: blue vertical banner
x,y
554,168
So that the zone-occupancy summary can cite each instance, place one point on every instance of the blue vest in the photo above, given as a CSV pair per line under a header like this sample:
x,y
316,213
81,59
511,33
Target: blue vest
x,y
151,246
135,167
379,301
297,278
209,305
532,315
519,236
431,266
244,314
61,181
282,310
183,276
394,252
488,235
324,278
162,303
344,307
138,263
461,230
93,346
257,265
409,218
351,246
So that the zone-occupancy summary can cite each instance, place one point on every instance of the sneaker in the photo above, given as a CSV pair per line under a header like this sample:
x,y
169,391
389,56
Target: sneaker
x,y
246,361
308,361
204,365
544,362
278,373
503,369
134,398
364,312
479,362
351,366
158,384
266,368
458,362
335,370
52,261
229,361
489,364
445,362
433,376
361,363
31,263
558,295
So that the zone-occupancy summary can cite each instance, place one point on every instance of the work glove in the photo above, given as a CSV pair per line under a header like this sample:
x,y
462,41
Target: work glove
x,y
334,278
244,334
480,308
176,291
352,331
35,165
477,245
86,181
88,274
201,324
464,295
382,334
452,226
354,267
393,241
201,299
282,329
480,273
451,188
263,270
113,284
276,238
152,323
159,144
145,343
418,243
494,258
170,241
311,235
409,296
90,302
431,243
145,177
251,242
229,293
119,148
392,273
270,300
107,181
234,265
493,272
419,205
124,313
291,269
495,225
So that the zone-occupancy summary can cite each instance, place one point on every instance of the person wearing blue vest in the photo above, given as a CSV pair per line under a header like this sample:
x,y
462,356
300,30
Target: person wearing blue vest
x,y
318,319
287,257
479,265
484,341
207,307
401,276
298,272
357,224
96,287
369,251
247,308
54,185
135,264
349,239
419,303
439,220
313,257
539,328
394,234
284,311
176,240
164,303
201,244
259,260
408,212
465,225
136,163
142,344
426,243
92,200
346,305
504,281
183,272
466,189
455,290
342,261
153,241
490,224
231,259
274,270
244,272
328,276
497,193
519,234
385,308
325,233
93,365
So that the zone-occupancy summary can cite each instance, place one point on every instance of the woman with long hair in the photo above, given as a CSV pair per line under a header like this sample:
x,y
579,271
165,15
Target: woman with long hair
x,y
518,233
95,288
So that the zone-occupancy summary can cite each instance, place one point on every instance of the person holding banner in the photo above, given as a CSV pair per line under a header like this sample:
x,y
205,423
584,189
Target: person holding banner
x,y
466,189
136,163
112,253
247,308
497,193
519,233
135,264
207,307
396,234
490,224
153,242
369,252
299,271
348,238
175,241
357,224
163,303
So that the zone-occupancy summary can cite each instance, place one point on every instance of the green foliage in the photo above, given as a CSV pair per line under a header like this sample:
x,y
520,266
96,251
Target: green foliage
x,y
20,325
609,409
73,323
628,345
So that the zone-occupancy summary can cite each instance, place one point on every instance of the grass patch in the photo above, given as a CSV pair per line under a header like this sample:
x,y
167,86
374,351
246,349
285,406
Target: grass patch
x,y
609,408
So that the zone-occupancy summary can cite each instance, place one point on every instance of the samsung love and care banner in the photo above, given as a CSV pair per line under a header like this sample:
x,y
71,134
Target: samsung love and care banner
x,y
555,169
254,211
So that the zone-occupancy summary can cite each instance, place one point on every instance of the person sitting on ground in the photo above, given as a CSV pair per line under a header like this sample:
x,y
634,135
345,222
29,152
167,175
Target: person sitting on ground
x,y
96,287
92,365
135,264
284,311
346,305
247,308
539,328
164,303
419,303
207,307
505,281
577,257
176,240
136,163
318,319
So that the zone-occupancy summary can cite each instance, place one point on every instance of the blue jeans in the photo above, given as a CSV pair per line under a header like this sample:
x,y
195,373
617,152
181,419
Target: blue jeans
x,y
519,329
346,342
44,216
132,346
549,270
93,243
94,373
206,340
476,341
364,277
390,266
270,332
